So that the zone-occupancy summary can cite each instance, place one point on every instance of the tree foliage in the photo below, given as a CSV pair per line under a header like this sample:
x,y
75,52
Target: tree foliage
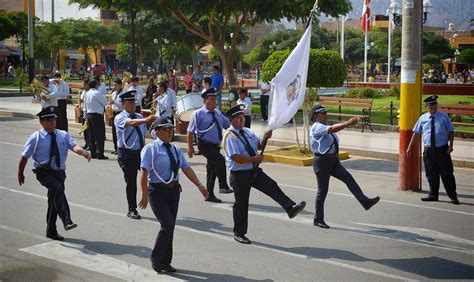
x,y
466,57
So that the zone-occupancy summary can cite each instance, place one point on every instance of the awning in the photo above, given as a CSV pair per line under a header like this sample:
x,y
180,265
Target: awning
x,y
77,56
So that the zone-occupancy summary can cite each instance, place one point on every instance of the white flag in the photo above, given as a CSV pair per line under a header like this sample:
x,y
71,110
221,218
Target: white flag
x,y
289,85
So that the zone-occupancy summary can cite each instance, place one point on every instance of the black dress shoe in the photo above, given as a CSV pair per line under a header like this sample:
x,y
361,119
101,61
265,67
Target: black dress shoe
x,y
213,200
320,223
102,157
226,190
371,202
56,237
85,147
93,156
114,153
242,239
296,209
70,226
160,268
455,201
430,199
134,214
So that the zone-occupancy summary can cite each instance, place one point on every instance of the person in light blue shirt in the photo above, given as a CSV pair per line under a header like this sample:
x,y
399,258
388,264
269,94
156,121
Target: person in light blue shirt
x,y
131,129
159,179
438,137
48,147
217,83
325,145
241,150
207,124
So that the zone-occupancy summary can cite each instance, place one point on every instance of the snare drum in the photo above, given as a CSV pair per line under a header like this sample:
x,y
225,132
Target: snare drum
x,y
186,105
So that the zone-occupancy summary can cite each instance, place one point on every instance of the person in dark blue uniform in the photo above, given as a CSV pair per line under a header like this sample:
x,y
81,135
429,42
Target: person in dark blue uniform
x,y
325,145
159,179
207,124
49,148
241,147
130,129
438,137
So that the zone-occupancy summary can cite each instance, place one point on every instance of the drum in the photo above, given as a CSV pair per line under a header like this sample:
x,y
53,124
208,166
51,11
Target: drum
x,y
186,105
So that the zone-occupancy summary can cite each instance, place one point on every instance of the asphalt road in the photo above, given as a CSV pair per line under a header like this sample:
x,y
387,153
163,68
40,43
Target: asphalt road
x,y
401,238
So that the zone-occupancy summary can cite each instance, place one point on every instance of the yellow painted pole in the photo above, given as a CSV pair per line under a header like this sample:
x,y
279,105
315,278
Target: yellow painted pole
x,y
410,93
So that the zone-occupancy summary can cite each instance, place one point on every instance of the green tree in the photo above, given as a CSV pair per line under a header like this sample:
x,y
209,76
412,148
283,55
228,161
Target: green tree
x,y
19,29
6,26
122,51
49,39
466,57
210,20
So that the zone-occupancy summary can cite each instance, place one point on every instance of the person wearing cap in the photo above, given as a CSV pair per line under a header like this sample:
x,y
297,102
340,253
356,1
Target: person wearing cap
x,y
139,95
52,97
207,124
159,179
241,147
244,99
48,147
94,104
63,89
438,137
116,103
325,145
131,129
163,102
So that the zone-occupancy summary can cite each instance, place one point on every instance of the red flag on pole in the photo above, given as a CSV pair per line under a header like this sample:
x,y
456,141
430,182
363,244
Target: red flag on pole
x,y
365,21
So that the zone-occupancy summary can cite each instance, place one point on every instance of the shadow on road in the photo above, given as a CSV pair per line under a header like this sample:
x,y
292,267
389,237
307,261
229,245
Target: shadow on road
x,y
371,165
108,248
191,275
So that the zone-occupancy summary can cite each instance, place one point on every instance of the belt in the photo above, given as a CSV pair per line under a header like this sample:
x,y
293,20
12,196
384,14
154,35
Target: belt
x,y
162,185
130,150
47,169
324,155
206,142
444,147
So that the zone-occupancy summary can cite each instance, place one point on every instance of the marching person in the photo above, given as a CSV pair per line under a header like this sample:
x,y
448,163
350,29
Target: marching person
x,y
116,103
163,102
159,179
49,149
94,103
63,88
82,97
244,99
241,147
130,129
438,138
207,124
139,93
101,86
325,145
51,99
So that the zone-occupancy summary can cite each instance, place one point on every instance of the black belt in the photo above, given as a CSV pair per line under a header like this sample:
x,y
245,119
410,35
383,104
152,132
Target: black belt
x,y
205,142
324,155
47,169
437,148
172,184
95,114
130,150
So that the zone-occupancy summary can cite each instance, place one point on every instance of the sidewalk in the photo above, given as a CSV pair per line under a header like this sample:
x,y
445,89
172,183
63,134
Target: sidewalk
x,y
383,145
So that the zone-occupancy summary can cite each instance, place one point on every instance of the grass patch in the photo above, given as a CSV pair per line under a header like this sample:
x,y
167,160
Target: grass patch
x,y
292,152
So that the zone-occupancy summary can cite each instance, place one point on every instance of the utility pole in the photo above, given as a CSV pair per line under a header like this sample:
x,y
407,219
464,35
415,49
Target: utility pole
x,y
31,60
410,93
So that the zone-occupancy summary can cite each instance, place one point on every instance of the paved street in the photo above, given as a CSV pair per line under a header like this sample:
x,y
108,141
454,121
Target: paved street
x,y
401,238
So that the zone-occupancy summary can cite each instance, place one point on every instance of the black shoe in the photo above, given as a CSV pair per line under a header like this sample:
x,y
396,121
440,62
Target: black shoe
x,y
134,214
56,237
320,223
160,268
114,153
213,199
102,157
93,156
296,209
70,226
371,202
455,201
430,199
242,239
85,147
226,190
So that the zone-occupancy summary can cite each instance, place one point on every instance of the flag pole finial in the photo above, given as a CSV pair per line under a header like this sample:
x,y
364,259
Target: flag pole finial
x,y
315,7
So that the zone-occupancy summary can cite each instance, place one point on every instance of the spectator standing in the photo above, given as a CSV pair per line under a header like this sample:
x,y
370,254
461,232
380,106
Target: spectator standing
x,y
217,83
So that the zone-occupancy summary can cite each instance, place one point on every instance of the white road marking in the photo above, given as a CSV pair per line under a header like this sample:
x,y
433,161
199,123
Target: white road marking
x,y
12,144
230,238
76,255
397,236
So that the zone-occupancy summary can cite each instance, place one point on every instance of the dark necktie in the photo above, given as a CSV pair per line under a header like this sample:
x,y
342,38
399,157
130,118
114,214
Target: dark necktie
x,y
174,164
219,129
54,151
249,147
335,143
433,132
139,132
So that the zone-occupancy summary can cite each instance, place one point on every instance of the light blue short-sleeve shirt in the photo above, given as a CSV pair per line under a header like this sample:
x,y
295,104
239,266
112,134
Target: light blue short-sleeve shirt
x,y
38,147
443,126
127,136
234,146
321,140
202,124
155,160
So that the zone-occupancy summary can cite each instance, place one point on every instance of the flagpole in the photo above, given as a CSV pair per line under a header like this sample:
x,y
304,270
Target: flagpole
x,y
389,45
365,47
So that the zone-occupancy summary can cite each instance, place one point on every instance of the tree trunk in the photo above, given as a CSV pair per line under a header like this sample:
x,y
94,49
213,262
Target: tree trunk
x,y
193,56
296,135
227,65
95,56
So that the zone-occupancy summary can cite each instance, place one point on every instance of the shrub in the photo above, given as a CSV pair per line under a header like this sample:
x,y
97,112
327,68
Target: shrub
x,y
360,93
394,91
